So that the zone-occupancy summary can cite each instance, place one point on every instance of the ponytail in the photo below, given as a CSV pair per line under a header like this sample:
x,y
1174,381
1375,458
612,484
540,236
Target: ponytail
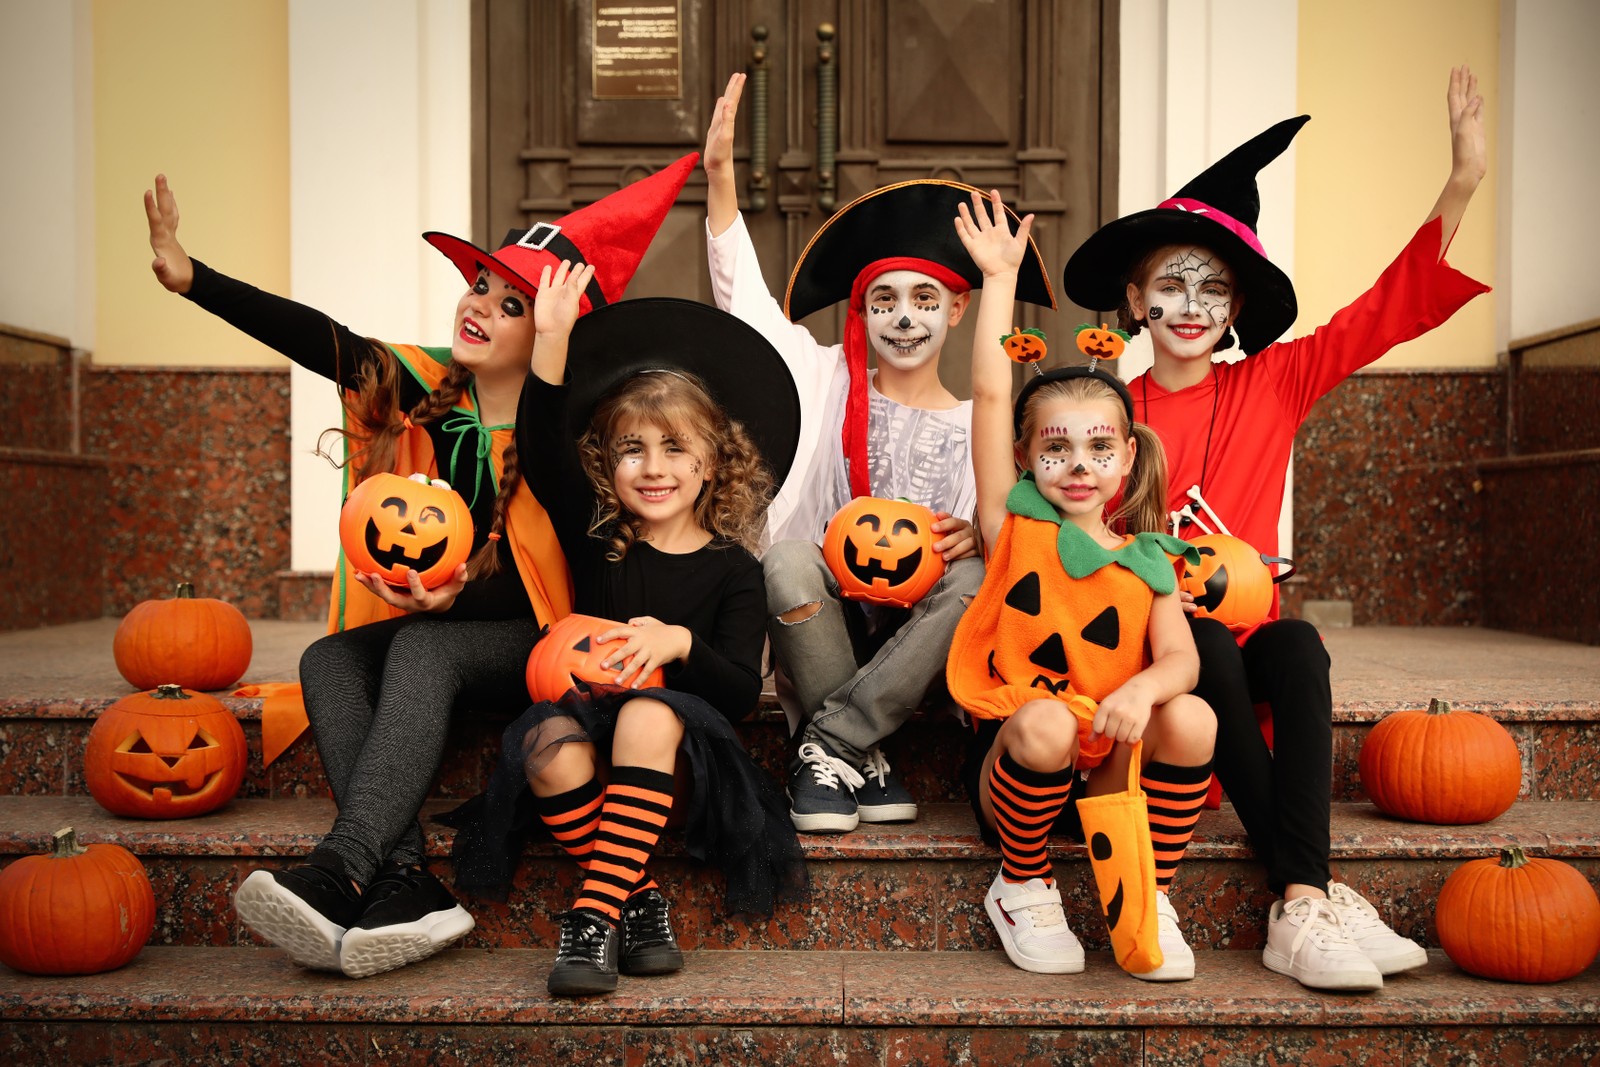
x,y
486,560
1144,494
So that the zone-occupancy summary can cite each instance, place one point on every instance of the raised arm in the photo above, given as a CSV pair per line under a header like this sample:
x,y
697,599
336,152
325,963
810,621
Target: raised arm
x,y
172,265
722,196
998,254
555,309
1469,158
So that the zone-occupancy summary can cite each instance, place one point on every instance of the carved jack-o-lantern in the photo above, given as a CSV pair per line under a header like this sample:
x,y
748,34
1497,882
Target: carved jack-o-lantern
x,y
882,551
1233,582
1100,342
167,754
567,653
390,525
1026,345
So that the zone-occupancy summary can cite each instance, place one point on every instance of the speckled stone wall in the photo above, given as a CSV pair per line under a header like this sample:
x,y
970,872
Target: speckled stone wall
x,y
36,405
1386,514
198,482
52,532
1558,409
1534,510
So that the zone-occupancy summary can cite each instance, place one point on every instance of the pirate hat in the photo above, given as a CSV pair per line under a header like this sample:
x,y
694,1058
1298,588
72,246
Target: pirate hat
x,y
742,370
612,233
1216,210
908,220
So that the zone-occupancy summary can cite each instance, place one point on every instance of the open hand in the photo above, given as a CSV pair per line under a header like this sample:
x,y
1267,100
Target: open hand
x,y
556,304
172,265
1469,156
718,156
414,597
991,244
649,643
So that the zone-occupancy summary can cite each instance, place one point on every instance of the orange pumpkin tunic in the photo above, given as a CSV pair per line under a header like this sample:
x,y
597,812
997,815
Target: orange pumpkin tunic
x,y
1057,615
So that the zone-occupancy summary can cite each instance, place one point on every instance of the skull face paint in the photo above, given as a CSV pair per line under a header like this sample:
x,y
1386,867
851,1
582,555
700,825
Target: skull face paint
x,y
907,318
1188,301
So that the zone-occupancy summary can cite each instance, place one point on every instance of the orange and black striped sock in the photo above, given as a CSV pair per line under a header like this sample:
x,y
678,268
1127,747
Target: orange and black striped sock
x,y
1026,803
573,817
1174,795
637,804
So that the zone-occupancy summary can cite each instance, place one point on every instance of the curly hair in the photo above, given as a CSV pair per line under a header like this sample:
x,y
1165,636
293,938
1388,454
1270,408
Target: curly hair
x,y
1144,493
732,506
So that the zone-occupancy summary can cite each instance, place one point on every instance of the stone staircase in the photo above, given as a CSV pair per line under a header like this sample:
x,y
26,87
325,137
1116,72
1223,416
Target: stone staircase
x,y
892,960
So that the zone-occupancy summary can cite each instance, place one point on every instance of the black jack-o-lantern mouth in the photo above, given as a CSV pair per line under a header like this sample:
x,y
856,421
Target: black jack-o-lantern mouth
x,y
192,771
396,556
1100,848
871,570
1099,352
1216,584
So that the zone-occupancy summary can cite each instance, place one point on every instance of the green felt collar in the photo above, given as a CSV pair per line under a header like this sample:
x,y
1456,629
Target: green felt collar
x,y
1147,555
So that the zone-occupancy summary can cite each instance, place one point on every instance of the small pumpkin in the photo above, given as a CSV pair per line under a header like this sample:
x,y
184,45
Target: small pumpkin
x,y
75,909
1519,919
881,551
195,642
390,525
1100,342
168,754
1233,582
1025,345
568,653
1440,766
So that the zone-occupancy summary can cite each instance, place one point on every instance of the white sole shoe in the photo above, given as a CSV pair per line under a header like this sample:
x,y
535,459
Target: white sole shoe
x,y
1177,958
364,952
826,822
887,812
1057,953
288,922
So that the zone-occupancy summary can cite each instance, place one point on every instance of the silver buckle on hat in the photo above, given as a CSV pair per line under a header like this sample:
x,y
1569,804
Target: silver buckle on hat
x,y
546,232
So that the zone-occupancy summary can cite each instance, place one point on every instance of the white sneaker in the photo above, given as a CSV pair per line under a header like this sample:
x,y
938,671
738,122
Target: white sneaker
x,y
1388,951
1177,958
1032,927
1306,942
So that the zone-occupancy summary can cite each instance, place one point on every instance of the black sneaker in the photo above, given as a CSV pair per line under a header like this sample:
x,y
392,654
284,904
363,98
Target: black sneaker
x,y
586,960
409,915
884,797
304,910
820,797
648,943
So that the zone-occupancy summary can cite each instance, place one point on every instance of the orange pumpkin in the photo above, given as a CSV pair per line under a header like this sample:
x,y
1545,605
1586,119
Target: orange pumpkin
x,y
567,653
1232,582
1025,346
196,642
390,525
168,754
1518,919
1440,766
75,910
882,551
1100,343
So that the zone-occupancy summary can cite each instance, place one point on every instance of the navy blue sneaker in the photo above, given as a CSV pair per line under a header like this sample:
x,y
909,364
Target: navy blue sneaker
x,y
884,797
821,791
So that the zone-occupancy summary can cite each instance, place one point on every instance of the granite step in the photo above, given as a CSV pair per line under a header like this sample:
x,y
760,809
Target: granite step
x,y
203,1005
907,887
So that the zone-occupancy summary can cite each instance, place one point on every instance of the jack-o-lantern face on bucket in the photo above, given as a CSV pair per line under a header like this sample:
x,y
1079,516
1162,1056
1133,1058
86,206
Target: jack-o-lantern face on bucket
x,y
1100,343
168,754
882,551
390,525
1233,582
568,653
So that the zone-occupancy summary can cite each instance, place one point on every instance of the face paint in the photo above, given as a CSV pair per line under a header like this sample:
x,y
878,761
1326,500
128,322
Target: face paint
x,y
1080,458
1189,301
1155,313
908,318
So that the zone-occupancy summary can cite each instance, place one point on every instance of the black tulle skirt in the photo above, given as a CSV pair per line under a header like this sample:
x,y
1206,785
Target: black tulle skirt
x,y
736,820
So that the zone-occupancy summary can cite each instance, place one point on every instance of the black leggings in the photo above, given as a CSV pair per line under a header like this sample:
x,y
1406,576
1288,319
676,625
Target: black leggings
x,y
1281,795
380,698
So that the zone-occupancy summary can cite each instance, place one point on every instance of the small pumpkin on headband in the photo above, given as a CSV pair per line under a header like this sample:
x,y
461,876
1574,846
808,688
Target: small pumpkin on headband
x,y
1026,345
882,551
1100,342
390,525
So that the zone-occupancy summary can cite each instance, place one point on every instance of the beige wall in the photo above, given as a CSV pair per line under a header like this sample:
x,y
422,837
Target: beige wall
x,y
1372,75
198,90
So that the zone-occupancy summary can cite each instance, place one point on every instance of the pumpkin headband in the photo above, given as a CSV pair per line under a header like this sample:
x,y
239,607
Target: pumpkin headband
x,y
1061,374
612,233
1218,209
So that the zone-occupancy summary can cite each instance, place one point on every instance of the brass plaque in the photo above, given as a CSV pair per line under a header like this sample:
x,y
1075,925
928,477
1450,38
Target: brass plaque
x,y
638,50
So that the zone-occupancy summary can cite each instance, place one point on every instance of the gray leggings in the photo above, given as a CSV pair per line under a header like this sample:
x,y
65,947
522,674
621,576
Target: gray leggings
x,y
380,698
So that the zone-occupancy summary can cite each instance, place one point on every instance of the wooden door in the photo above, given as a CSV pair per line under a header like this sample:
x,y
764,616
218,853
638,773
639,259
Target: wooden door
x,y
1018,95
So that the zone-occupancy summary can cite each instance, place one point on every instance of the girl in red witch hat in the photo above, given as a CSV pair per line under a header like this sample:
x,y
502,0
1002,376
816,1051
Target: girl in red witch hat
x,y
1193,272
380,688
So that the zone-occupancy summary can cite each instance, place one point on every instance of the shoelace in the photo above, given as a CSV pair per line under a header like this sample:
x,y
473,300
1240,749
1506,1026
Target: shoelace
x,y
1356,913
647,920
582,938
877,766
827,770
1041,906
1322,924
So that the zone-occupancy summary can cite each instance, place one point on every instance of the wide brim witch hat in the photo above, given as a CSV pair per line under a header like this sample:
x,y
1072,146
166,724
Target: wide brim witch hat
x,y
1219,210
907,220
612,233
742,370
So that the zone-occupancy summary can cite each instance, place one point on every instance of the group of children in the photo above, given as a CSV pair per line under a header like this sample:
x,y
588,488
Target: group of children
x,y
632,459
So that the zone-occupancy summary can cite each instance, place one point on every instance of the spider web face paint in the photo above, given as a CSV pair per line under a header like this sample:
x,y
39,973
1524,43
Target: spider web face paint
x,y
1189,301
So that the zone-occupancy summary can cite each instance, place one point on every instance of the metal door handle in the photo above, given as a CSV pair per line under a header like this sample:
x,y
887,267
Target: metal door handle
x,y
827,116
760,177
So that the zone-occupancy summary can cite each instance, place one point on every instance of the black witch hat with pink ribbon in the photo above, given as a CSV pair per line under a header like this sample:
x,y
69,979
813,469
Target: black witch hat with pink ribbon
x,y
1218,210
